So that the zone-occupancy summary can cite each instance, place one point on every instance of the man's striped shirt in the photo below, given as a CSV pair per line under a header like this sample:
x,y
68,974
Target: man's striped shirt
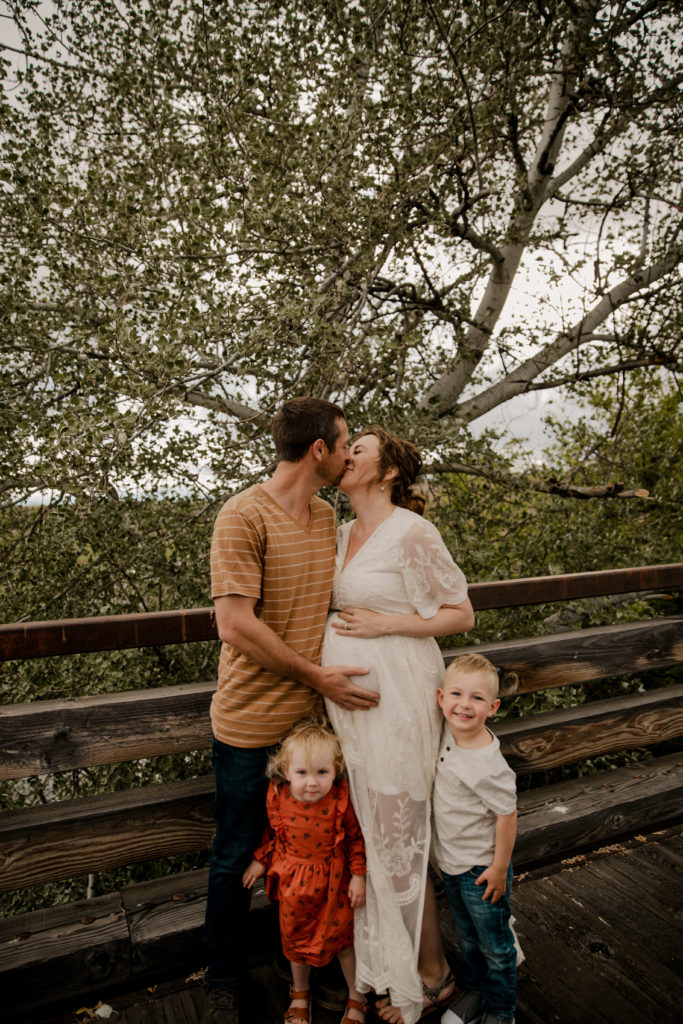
x,y
259,550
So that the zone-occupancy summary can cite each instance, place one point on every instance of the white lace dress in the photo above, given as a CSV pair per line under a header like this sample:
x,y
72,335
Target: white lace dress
x,y
390,751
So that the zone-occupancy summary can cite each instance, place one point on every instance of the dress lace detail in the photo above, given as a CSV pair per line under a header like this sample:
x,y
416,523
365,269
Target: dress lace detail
x,y
391,750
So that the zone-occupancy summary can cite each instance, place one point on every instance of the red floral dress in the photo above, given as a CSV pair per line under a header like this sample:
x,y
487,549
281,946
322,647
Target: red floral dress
x,y
310,851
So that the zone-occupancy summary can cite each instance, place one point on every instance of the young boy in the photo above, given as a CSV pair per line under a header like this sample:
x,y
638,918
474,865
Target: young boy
x,y
475,819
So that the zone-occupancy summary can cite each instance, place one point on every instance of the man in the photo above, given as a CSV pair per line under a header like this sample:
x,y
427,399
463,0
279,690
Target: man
x,y
272,564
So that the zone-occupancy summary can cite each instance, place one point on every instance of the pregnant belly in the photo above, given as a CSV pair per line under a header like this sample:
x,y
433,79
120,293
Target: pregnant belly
x,y
412,663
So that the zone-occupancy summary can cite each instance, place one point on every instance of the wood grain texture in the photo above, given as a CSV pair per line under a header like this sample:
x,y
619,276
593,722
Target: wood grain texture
x,y
149,629
562,820
572,735
582,655
59,841
64,840
56,735
68,950
586,931
82,731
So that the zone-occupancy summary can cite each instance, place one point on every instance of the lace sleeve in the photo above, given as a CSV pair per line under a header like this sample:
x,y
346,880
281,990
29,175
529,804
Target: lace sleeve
x,y
430,575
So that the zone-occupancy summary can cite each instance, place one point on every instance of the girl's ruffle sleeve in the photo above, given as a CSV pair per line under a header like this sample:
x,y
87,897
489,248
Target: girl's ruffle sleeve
x,y
349,832
266,848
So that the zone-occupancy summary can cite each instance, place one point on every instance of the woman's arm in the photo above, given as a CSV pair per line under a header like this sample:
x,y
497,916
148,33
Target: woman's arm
x,y
363,622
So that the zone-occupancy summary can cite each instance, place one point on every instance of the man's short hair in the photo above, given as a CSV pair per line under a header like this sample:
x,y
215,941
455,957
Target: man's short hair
x,y
300,422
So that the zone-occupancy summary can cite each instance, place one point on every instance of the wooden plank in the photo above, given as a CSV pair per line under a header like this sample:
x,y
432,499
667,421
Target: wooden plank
x,y
56,735
148,629
568,928
166,920
105,633
82,731
607,977
67,951
58,841
564,819
659,890
570,658
63,840
571,587
601,886
569,735
550,988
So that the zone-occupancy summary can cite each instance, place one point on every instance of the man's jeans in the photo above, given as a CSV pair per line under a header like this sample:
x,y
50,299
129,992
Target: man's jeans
x,y
486,940
240,813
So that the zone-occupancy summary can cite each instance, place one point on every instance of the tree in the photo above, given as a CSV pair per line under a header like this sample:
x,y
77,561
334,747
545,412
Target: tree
x,y
208,208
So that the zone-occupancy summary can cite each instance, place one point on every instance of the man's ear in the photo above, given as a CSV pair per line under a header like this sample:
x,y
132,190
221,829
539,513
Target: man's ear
x,y
318,449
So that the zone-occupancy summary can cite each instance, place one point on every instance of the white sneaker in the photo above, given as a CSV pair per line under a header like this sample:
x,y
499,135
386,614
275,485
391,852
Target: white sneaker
x,y
466,1009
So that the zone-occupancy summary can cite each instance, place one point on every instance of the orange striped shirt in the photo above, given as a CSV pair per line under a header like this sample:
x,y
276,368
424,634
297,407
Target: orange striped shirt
x,y
259,550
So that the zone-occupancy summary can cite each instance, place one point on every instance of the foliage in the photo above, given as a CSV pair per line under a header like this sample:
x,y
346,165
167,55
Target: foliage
x,y
207,208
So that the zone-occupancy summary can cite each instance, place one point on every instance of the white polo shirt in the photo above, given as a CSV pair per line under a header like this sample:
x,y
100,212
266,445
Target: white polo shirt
x,y
471,788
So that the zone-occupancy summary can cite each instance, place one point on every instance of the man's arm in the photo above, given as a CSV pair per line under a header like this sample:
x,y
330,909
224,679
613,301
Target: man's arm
x,y
239,626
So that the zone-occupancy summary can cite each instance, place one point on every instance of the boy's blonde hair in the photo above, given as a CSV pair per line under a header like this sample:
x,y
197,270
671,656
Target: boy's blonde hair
x,y
465,664
312,734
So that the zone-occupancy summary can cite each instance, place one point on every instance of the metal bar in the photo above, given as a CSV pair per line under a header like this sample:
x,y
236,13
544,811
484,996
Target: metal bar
x,y
150,629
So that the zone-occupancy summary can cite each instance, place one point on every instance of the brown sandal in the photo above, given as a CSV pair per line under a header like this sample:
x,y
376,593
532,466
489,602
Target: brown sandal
x,y
353,1004
302,1012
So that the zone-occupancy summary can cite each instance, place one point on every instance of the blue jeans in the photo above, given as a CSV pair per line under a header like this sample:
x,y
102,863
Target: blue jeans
x,y
486,941
240,813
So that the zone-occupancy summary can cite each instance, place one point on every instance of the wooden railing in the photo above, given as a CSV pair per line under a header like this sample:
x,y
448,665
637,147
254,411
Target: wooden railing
x,y
154,925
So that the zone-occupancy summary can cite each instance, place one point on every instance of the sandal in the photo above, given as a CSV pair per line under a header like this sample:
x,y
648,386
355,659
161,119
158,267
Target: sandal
x,y
432,994
298,1012
353,1004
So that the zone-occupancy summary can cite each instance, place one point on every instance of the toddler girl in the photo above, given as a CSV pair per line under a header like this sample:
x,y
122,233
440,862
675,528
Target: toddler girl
x,y
313,857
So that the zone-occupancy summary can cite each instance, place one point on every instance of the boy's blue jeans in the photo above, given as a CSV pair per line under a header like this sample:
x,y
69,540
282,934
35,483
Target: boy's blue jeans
x,y
240,813
486,941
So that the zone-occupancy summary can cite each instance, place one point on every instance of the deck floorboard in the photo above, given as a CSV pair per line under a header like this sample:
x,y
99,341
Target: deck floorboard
x,y
602,935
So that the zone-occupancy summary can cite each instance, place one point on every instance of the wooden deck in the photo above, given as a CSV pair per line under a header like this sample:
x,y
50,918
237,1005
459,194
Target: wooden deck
x,y
602,934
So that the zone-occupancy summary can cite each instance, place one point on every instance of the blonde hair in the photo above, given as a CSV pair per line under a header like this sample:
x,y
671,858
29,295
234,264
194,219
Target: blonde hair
x,y
466,664
310,735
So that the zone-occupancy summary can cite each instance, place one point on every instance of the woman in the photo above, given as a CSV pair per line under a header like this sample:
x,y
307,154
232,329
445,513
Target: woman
x,y
396,588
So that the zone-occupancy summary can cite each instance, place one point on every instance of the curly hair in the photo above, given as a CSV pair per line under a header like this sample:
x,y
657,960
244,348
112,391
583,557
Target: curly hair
x,y
406,459
311,735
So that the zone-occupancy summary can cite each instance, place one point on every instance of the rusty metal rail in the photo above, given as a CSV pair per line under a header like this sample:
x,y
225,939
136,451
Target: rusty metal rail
x,y
151,629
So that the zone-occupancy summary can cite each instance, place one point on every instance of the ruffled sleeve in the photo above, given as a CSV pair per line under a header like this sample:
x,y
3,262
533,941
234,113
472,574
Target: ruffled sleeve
x,y
266,848
430,575
350,832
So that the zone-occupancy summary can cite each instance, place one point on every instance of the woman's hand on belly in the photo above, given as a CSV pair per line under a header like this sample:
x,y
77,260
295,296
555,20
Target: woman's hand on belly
x,y
362,622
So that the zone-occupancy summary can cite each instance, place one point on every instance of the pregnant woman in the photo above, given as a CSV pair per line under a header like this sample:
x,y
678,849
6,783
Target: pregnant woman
x,y
396,588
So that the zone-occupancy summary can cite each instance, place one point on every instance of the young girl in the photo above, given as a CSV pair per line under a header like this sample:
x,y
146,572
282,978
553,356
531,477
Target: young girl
x,y
313,858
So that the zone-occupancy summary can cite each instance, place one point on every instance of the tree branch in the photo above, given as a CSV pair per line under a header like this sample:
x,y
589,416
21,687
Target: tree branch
x,y
606,371
519,380
551,486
